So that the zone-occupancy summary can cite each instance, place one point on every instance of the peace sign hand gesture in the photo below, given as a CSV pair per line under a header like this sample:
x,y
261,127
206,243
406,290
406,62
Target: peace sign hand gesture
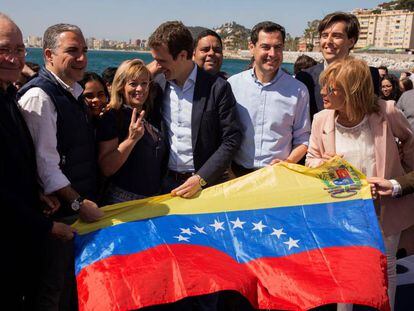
x,y
136,127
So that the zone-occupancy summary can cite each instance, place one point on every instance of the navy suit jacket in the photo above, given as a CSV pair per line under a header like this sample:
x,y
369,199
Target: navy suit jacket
x,y
215,129
310,77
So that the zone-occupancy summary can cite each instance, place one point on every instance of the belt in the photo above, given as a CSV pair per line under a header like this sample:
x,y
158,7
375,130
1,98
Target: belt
x,y
180,176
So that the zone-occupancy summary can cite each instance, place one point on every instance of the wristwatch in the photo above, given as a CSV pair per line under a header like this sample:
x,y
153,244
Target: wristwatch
x,y
201,181
77,203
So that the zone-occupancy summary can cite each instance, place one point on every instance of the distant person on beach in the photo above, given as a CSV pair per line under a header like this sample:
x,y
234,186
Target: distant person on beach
x,y
208,52
95,94
108,75
199,111
132,144
383,71
390,88
338,33
272,105
65,152
26,226
303,62
362,129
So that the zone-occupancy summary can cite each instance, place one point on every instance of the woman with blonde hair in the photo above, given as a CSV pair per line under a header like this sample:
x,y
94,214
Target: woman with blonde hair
x,y
363,129
132,148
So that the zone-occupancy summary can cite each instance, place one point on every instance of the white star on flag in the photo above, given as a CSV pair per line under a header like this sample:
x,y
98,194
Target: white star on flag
x,y
237,223
277,232
292,243
200,229
186,231
258,226
182,238
217,225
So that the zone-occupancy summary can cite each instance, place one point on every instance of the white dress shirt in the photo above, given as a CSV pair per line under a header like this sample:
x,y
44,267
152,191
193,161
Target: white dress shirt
x,y
41,116
177,111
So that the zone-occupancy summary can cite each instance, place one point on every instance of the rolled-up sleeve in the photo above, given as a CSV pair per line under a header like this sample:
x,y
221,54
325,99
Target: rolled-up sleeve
x,y
301,126
40,114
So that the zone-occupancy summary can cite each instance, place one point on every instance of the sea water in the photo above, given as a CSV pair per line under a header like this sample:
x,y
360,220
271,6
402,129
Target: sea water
x,y
99,60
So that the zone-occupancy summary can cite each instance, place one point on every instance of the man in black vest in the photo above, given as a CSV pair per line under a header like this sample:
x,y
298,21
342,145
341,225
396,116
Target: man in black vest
x,y
64,144
25,227
338,34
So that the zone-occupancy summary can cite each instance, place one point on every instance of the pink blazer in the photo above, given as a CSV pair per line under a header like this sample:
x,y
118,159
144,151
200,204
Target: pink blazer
x,y
388,123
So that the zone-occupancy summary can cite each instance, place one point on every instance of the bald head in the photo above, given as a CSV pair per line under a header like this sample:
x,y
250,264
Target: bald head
x,y
11,42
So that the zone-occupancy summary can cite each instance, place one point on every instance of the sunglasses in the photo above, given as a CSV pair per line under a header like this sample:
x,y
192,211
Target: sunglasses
x,y
331,90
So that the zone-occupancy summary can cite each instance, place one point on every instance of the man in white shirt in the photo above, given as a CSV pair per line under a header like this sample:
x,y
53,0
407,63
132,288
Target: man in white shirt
x,y
64,146
273,106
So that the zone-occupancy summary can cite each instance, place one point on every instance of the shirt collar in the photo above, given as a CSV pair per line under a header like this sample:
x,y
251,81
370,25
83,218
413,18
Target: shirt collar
x,y
191,79
76,90
279,73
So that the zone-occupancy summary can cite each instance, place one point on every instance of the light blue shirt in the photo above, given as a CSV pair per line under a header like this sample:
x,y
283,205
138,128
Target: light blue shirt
x,y
274,117
176,111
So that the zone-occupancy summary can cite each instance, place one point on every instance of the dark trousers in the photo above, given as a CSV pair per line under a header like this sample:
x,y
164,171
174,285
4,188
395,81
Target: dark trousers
x,y
169,183
239,170
57,288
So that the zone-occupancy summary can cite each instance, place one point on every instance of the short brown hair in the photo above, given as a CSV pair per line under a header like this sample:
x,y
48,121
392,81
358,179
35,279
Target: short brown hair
x,y
353,77
351,21
175,36
266,27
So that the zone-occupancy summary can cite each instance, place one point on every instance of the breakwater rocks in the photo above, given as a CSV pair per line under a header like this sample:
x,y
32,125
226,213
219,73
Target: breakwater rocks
x,y
395,62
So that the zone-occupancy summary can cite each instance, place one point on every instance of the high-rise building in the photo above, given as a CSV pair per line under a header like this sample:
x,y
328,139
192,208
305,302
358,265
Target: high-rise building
x,y
392,29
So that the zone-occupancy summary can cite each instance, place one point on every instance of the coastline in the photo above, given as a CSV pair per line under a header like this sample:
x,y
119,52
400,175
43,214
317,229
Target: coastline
x,y
395,62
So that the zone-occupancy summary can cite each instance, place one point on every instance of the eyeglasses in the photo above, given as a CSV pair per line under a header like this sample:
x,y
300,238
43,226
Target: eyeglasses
x,y
331,90
7,51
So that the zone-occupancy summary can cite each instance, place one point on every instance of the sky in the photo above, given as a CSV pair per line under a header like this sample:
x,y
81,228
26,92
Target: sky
x,y
133,19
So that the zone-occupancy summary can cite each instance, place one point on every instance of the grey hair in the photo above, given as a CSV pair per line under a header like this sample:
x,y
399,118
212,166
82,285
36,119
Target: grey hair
x,y
50,38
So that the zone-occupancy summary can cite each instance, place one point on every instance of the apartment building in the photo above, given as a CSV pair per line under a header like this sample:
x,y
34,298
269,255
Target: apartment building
x,y
385,29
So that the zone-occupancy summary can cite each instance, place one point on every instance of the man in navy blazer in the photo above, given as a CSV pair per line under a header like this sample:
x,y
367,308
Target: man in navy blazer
x,y
199,112
338,34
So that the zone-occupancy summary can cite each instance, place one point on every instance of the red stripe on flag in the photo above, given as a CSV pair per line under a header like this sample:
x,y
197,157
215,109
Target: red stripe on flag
x,y
171,272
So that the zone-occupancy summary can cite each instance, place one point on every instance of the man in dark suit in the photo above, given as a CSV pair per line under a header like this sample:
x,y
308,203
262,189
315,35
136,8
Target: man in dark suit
x,y
338,34
199,112
25,227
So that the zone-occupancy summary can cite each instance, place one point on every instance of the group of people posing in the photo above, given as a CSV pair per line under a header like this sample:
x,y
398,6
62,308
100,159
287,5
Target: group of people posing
x,y
75,141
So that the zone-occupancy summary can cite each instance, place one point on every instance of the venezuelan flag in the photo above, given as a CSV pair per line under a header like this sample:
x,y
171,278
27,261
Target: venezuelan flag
x,y
286,237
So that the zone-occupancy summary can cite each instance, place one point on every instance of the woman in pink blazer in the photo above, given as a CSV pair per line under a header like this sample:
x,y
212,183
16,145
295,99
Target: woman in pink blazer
x,y
364,129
